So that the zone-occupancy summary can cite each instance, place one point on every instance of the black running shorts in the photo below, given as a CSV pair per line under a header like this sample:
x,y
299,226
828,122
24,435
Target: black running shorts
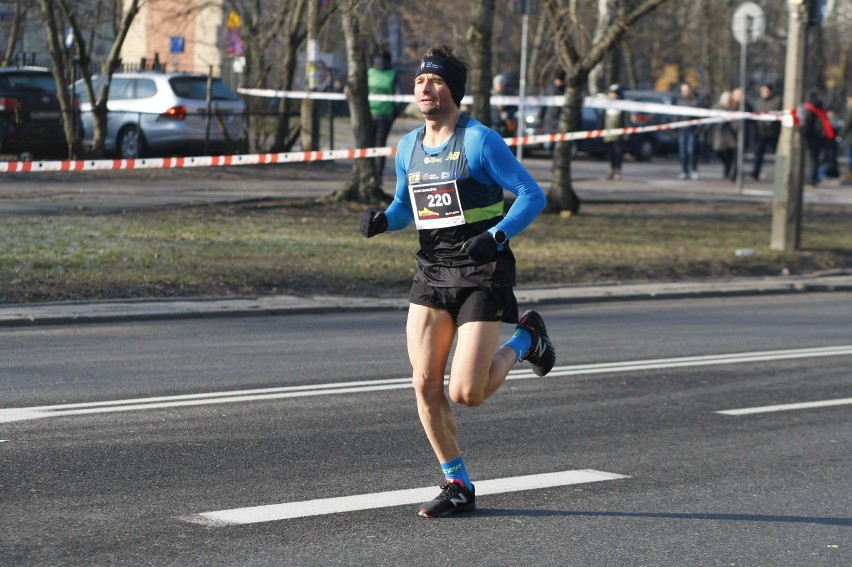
x,y
467,304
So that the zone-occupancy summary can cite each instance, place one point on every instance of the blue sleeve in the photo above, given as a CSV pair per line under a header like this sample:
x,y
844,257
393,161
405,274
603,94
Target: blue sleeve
x,y
491,160
399,212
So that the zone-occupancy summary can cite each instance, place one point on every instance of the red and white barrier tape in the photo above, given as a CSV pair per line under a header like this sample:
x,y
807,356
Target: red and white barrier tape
x,y
185,162
322,155
588,134
538,101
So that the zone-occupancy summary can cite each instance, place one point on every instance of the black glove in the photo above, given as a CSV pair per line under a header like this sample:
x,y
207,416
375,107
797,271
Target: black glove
x,y
481,248
373,223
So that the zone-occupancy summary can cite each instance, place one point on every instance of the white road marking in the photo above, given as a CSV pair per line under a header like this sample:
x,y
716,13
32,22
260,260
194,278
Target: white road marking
x,y
788,407
207,398
323,506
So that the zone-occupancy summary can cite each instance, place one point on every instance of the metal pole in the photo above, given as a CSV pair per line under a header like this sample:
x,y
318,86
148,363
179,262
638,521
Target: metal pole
x,y
209,112
331,112
742,107
522,115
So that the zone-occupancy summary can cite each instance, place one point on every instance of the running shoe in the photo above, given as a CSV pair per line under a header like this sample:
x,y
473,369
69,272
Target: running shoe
x,y
454,498
542,354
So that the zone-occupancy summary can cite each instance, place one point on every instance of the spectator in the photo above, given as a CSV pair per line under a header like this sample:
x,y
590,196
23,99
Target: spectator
x,y
687,137
747,125
615,119
816,131
767,131
725,138
502,116
549,114
382,80
829,167
339,107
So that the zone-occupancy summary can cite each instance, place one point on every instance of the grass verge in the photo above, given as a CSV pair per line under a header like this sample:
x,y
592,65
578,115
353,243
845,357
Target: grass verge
x,y
292,247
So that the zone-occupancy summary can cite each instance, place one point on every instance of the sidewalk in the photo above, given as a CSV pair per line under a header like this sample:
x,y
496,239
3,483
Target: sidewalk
x,y
147,310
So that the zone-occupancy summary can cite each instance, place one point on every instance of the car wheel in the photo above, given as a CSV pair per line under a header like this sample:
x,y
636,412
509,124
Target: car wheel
x,y
645,150
131,143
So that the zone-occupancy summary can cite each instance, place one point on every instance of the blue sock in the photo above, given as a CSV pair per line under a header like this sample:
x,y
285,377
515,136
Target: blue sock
x,y
520,342
455,470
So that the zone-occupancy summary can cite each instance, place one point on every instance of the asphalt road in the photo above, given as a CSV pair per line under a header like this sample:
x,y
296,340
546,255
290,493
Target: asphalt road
x,y
324,411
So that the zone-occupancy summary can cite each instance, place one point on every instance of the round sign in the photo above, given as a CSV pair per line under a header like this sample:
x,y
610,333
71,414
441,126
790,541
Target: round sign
x,y
749,23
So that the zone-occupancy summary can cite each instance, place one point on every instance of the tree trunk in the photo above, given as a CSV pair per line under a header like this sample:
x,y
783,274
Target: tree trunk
x,y
562,197
479,36
598,76
59,59
14,33
294,38
308,120
363,185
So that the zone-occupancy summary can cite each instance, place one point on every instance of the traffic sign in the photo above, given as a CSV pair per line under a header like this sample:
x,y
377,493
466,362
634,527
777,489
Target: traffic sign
x,y
748,23
176,44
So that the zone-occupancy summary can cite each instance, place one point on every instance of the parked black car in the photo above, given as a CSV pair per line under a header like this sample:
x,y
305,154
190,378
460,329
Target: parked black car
x,y
30,118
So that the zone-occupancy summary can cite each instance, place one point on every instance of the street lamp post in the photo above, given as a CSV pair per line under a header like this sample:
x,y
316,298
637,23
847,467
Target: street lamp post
x,y
787,196
525,8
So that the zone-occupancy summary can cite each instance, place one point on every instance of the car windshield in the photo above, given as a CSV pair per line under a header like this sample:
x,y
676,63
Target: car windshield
x,y
38,82
196,88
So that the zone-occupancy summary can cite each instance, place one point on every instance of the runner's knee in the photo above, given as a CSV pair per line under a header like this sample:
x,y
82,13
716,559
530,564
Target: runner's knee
x,y
428,387
466,394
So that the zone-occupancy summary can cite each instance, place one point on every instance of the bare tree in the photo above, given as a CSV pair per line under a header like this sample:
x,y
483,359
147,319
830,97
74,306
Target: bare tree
x,y
272,31
54,12
562,197
18,19
294,37
606,9
57,55
479,36
363,185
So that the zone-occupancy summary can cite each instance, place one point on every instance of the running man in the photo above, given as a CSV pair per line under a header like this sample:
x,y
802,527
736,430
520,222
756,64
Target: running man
x,y
451,174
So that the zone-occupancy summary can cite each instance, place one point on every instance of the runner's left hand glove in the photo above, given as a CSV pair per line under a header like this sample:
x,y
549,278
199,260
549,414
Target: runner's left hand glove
x,y
373,223
481,248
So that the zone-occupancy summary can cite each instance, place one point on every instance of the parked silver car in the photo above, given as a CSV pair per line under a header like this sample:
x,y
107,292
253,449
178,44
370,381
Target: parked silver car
x,y
153,113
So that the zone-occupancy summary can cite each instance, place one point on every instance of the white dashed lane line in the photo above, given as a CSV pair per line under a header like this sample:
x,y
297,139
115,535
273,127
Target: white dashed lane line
x,y
8,415
788,407
341,504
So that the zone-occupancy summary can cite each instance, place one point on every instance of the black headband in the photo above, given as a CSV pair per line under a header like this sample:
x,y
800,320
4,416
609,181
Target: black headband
x,y
454,74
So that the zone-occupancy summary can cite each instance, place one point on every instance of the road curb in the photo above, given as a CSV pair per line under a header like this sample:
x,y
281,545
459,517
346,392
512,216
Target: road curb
x,y
71,313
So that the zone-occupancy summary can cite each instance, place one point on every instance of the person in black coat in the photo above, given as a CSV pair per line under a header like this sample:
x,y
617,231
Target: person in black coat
x,y
767,131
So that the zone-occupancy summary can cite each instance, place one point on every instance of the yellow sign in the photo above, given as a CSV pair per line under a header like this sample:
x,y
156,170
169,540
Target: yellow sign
x,y
233,20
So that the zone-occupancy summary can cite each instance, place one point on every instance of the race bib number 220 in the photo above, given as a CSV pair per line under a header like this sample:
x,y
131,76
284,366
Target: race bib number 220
x,y
436,205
